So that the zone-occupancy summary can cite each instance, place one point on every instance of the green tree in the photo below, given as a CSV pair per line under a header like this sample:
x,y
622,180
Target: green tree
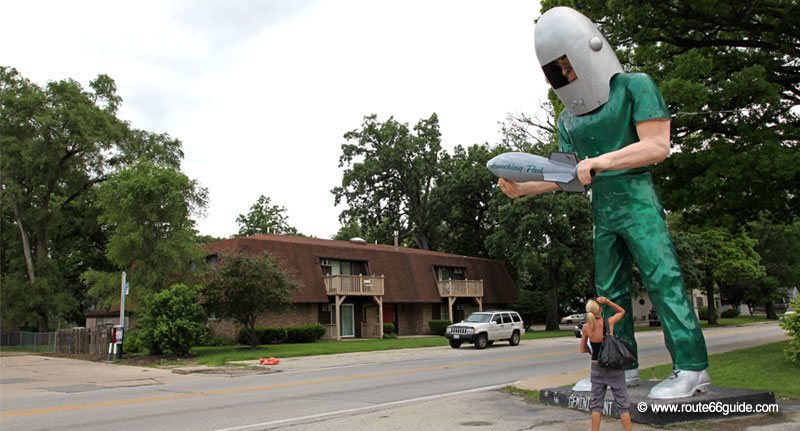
x,y
350,229
729,73
241,287
779,248
460,200
172,321
389,174
59,142
725,260
547,242
264,217
147,210
791,323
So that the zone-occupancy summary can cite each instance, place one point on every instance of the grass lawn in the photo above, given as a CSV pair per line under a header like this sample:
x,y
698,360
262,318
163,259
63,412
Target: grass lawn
x,y
761,367
220,355
740,320
27,349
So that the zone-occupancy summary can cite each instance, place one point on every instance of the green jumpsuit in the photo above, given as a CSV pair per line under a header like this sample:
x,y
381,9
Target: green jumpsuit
x,y
629,221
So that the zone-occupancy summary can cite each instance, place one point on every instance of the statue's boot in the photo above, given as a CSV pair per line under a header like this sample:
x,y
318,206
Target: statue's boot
x,y
681,384
631,380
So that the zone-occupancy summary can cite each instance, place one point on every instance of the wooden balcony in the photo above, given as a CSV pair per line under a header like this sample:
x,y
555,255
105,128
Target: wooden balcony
x,y
460,288
363,285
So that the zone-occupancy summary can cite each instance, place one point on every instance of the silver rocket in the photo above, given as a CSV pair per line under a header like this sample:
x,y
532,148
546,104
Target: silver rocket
x,y
560,168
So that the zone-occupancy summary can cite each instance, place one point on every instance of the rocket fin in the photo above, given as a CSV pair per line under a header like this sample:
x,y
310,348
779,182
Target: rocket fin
x,y
558,177
564,158
572,186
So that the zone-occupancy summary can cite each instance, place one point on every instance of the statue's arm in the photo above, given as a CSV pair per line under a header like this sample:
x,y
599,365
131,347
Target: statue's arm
x,y
653,147
514,189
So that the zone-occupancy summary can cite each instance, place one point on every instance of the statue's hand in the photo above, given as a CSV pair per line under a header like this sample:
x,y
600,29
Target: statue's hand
x,y
509,188
587,168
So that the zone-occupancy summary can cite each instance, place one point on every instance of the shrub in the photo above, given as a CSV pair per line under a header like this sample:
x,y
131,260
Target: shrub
x,y
703,313
791,324
304,333
290,334
172,321
439,326
733,312
388,328
389,336
132,342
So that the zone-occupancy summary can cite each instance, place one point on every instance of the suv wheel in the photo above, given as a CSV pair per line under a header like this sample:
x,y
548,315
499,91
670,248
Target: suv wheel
x,y
514,340
455,344
481,342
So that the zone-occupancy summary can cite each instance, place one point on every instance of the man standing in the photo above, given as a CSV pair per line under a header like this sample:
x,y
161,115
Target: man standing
x,y
618,124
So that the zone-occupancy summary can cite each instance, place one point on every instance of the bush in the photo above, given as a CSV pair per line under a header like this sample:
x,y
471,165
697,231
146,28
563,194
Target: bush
x,y
304,333
389,336
791,324
132,342
388,328
702,313
290,334
733,312
172,321
439,326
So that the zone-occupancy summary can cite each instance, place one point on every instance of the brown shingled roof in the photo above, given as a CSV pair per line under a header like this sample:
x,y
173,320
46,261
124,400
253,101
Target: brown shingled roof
x,y
409,272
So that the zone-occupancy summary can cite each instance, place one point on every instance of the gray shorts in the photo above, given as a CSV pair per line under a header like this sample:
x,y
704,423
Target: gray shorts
x,y
614,379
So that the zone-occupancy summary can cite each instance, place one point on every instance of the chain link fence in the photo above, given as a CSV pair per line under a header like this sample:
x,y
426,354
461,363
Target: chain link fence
x,y
22,341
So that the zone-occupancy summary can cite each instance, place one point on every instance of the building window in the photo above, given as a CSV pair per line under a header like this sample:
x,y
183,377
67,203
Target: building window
x,y
343,267
444,273
699,301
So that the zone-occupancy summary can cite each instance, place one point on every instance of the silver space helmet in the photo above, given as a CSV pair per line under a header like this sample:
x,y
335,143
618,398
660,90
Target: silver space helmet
x,y
564,32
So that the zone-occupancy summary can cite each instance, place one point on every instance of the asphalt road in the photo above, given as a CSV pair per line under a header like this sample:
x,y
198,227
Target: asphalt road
x,y
396,388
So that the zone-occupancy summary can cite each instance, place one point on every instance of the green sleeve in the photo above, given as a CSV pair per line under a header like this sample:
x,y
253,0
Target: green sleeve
x,y
648,104
564,141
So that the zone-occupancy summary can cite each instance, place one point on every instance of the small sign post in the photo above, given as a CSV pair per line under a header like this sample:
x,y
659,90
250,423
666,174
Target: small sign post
x,y
120,329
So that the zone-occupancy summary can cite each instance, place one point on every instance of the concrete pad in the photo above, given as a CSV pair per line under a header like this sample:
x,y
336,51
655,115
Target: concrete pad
x,y
718,403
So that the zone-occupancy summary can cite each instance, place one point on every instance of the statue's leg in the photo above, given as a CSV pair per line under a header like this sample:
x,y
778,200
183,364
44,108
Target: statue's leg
x,y
655,256
654,253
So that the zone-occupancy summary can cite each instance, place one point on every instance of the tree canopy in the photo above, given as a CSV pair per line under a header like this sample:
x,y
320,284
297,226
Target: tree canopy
x,y
60,142
390,172
264,217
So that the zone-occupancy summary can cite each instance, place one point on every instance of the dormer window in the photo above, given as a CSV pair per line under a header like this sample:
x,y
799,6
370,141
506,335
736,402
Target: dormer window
x,y
444,273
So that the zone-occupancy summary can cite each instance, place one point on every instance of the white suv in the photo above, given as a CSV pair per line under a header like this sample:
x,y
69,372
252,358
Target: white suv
x,y
485,327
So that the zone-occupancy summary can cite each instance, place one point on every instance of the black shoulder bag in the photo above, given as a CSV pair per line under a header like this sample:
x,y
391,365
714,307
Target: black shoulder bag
x,y
614,353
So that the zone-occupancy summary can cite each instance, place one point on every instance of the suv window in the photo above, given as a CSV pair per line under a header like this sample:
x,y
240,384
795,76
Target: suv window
x,y
496,318
478,318
506,318
516,317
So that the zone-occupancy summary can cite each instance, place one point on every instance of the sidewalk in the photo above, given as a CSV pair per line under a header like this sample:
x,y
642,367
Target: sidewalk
x,y
25,376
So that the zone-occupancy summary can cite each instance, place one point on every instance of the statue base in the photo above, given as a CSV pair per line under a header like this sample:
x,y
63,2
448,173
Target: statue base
x,y
718,403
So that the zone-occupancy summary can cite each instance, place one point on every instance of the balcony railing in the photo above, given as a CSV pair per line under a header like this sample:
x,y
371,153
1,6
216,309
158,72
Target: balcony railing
x,y
460,288
367,285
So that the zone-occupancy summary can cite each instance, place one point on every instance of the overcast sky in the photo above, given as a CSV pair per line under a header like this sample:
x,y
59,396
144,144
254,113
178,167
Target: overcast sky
x,y
261,92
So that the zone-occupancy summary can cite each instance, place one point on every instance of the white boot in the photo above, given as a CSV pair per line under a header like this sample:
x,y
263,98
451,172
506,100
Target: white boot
x,y
631,380
681,384
632,377
583,385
